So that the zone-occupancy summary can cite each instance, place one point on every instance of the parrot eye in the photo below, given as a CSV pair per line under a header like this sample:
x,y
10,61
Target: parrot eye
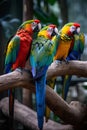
x,y
33,25
72,29
50,29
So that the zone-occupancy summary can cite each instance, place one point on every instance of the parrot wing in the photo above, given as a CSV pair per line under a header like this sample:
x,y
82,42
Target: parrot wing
x,y
42,53
11,53
82,41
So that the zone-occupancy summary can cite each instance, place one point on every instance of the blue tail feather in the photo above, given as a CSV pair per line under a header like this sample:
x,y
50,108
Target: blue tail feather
x,y
40,99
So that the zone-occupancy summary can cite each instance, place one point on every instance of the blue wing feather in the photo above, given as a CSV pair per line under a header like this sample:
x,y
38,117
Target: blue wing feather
x,y
75,54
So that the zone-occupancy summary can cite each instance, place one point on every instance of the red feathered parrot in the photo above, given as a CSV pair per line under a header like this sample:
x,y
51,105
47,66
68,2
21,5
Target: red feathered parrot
x,y
17,52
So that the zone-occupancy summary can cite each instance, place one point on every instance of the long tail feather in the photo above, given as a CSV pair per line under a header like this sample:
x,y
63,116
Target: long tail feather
x,y
66,84
11,108
47,114
51,83
40,99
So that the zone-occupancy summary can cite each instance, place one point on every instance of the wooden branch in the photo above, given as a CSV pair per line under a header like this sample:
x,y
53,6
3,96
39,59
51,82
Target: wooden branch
x,y
78,68
16,79
28,117
69,114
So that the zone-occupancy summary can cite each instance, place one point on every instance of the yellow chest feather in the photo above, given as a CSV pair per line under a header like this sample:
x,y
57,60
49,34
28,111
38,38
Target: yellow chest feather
x,y
62,51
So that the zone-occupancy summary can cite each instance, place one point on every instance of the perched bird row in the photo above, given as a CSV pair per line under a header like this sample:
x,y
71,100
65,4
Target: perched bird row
x,y
49,45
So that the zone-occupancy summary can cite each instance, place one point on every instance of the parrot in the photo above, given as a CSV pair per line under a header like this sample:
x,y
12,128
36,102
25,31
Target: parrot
x,y
17,52
74,54
65,44
43,50
66,40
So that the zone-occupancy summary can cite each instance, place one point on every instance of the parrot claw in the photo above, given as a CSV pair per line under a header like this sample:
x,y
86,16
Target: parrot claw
x,y
57,61
66,61
19,70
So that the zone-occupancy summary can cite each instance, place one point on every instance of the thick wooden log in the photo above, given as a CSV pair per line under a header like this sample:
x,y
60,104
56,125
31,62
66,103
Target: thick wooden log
x,y
78,68
23,79
28,117
72,114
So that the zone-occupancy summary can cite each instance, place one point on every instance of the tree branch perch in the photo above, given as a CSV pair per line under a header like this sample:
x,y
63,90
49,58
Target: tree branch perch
x,y
28,117
74,113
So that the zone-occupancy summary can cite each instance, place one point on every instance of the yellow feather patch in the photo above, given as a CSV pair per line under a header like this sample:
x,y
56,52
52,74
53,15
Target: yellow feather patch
x,y
27,26
65,29
43,33
10,47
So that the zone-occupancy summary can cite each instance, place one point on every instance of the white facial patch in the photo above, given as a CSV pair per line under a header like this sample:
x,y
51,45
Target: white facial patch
x,y
50,30
72,29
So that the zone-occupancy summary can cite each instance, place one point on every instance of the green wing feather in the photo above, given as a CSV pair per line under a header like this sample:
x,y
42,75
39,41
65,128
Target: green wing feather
x,y
12,52
42,53
82,41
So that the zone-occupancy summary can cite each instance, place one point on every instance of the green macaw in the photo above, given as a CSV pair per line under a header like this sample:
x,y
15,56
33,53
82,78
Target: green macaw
x,y
43,50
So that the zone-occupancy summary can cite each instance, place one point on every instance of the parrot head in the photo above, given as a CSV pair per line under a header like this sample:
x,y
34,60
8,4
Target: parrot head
x,y
75,28
31,25
70,29
36,26
48,31
52,30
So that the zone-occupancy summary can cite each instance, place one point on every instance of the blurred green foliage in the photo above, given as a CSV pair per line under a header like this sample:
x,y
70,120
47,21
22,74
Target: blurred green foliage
x,y
43,12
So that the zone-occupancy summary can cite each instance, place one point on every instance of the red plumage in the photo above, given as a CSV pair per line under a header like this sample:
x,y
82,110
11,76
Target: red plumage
x,y
25,45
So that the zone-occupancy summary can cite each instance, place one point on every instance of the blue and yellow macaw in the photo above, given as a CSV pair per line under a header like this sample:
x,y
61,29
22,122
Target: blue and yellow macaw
x,y
74,54
43,50
65,44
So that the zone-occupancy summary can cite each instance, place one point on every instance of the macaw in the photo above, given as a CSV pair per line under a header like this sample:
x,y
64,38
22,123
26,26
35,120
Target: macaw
x,y
74,54
17,52
66,40
43,50
65,44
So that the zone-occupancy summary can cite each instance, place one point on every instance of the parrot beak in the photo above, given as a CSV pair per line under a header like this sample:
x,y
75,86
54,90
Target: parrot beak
x,y
37,27
77,31
55,31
